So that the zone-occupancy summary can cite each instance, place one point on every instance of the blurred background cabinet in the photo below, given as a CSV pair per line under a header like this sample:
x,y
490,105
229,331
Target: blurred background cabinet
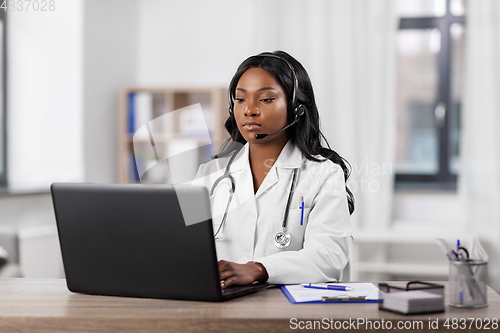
x,y
181,134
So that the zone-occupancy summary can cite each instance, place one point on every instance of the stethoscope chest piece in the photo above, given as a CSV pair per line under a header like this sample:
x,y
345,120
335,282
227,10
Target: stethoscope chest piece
x,y
282,239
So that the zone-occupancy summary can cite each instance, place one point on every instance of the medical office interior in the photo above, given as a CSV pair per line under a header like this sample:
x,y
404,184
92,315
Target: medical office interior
x,y
407,90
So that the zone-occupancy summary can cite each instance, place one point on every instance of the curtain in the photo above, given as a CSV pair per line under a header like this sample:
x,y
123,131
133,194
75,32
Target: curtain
x,y
348,49
479,183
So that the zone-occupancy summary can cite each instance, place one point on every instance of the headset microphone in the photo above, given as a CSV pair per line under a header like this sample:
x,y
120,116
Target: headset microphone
x,y
262,136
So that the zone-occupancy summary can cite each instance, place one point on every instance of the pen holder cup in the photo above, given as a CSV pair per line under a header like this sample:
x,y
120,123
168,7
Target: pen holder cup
x,y
468,283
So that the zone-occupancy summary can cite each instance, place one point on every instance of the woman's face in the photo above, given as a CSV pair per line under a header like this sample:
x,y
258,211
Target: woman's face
x,y
260,106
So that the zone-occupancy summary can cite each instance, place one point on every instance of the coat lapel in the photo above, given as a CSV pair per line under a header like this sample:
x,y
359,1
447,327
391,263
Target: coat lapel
x,y
289,158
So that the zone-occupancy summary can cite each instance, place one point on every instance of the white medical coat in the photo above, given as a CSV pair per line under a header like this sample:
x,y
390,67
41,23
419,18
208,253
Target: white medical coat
x,y
320,245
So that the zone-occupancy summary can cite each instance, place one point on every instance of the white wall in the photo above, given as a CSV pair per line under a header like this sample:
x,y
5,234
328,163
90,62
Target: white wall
x,y
109,64
45,53
193,42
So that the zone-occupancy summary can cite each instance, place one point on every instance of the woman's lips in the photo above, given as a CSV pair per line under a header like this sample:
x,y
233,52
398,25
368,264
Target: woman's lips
x,y
250,125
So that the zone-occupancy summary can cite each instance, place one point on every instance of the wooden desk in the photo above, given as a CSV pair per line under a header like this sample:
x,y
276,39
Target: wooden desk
x,y
46,305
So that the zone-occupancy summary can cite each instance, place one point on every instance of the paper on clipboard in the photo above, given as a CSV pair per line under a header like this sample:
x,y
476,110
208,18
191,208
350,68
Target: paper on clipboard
x,y
298,294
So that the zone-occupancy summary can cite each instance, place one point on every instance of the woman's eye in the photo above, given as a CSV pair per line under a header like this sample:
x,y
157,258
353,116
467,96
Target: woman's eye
x,y
239,100
268,100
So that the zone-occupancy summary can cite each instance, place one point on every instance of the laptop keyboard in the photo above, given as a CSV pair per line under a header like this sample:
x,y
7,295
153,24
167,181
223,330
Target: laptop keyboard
x,y
233,291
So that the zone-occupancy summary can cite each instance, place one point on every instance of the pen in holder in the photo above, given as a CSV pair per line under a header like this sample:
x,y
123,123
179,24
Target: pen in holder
x,y
468,283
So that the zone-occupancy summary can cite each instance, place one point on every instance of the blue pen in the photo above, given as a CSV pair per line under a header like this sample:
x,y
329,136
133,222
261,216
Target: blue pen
x,y
460,293
302,211
326,286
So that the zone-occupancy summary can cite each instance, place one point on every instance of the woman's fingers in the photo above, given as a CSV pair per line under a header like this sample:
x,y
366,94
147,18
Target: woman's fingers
x,y
229,282
226,274
237,274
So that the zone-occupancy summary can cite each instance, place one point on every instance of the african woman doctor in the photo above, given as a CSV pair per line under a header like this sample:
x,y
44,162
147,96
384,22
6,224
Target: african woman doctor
x,y
289,218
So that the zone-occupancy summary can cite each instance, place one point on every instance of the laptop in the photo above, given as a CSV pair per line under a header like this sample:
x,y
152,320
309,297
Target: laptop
x,y
132,240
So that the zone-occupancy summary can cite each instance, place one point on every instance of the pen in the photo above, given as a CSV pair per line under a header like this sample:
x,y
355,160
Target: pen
x,y
302,209
343,298
452,256
460,278
326,286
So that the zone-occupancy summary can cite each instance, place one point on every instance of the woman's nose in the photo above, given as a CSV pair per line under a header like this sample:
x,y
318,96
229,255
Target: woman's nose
x,y
251,109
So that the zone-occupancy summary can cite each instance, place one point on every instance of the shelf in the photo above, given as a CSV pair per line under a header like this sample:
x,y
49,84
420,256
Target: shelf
x,y
167,137
402,237
172,135
403,269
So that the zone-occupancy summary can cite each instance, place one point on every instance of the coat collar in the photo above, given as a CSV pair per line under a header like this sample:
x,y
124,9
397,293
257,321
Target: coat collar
x,y
289,158
241,161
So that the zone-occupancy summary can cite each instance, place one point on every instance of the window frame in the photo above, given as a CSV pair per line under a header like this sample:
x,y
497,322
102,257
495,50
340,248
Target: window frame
x,y
443,179
3,106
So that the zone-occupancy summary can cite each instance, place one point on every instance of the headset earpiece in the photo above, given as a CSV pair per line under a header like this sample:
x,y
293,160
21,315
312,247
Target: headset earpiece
x,y
299,111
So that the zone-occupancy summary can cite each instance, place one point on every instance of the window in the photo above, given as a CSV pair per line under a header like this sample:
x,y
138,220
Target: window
x,y
430,46
3,126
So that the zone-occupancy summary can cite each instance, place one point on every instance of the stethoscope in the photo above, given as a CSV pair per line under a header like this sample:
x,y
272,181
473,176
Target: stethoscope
x,y
283,238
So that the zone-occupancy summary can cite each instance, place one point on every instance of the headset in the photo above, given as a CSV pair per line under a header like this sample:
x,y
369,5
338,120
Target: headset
x,y
298,110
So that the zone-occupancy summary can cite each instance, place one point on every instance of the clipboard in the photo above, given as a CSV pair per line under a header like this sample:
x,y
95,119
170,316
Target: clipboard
x,y
362,293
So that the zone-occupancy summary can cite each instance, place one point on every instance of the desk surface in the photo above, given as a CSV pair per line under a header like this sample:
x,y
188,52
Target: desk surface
x,y
46,305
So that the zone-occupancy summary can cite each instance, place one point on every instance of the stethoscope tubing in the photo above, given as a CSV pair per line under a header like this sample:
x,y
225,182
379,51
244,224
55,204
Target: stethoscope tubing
x,y
290,194
232,189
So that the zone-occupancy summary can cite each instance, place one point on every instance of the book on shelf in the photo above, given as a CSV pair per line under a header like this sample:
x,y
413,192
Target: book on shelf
x,y
143,109
131,113
140,111
133,173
